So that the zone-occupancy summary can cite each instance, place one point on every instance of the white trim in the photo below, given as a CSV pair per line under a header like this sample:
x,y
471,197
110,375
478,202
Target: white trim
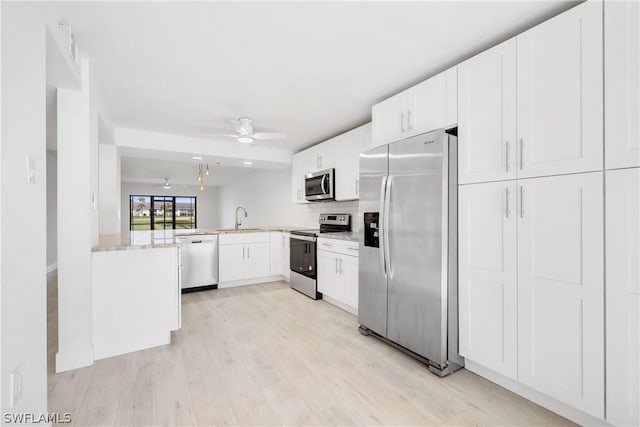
x,y
74,358
543,400
52,267
340,304
256,281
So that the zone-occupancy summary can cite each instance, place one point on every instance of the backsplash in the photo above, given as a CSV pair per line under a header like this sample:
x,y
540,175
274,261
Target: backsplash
x,y
315,209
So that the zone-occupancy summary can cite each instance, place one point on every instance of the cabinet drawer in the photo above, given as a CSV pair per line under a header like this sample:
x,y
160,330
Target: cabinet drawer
x,y
233,238
340,246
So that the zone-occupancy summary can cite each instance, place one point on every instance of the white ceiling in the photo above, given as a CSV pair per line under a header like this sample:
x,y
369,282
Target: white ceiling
x,y
310,69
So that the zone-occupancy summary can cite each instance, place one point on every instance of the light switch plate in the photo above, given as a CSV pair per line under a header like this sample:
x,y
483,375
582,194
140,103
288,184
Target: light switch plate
x,y
15,387
31,170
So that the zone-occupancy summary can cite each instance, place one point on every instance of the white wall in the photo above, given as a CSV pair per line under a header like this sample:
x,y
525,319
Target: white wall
x,y
109,188
266,195
52,210
23,235
206,201
77,221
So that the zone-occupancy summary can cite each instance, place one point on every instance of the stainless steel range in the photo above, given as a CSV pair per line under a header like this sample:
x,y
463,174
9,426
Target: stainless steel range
x,y
303,252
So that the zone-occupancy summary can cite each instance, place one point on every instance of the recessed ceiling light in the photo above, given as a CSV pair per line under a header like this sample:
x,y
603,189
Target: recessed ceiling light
x,y
248,163
196,158
245,139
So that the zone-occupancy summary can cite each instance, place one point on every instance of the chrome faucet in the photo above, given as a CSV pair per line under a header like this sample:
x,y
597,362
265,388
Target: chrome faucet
x,y
239,223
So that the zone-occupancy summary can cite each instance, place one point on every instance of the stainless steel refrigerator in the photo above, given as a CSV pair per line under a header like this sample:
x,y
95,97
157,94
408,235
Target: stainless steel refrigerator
x,y
408,248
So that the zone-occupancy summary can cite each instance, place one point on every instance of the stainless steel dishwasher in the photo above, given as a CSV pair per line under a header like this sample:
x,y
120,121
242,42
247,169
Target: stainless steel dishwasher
x,y
199,259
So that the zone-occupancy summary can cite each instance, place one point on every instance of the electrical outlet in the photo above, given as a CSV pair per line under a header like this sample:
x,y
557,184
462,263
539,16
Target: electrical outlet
x,y
15,387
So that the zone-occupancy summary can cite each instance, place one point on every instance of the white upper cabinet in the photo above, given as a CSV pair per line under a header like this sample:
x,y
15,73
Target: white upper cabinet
x,y
487,115
347,164
433,104
488,288
622,80
427,106
623,296
559,96
321,156
561,289
299,164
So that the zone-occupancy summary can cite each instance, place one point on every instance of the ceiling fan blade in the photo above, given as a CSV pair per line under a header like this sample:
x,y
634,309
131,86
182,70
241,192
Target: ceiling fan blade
x,y
269,135
221,136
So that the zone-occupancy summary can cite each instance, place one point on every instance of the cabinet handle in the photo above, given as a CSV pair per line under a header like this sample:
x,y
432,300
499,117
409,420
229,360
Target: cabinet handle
x,y
336,265
409,120
507,202
357,182
521,202
521,154
248,252
402,122
243,252
506,156
340,265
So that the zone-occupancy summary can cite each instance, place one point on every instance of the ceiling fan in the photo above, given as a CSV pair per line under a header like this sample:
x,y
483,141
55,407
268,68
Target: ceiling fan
x,y
245,134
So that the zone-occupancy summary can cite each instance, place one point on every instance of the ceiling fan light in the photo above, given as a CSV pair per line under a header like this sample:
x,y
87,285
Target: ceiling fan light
x,y
245,139
166,184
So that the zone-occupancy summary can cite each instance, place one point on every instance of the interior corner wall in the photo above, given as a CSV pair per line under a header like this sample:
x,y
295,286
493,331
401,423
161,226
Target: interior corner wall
x,y
23,257
109,189
52,210
207,212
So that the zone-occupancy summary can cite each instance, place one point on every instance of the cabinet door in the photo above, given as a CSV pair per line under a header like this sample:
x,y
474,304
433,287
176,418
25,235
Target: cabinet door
x,y
349,272
559,79
321,156
623,296
329,280
432,104
347,147
286,267
257,260
388,121
488,287
231,262
275,253
298,171
622,80
561,289
487,107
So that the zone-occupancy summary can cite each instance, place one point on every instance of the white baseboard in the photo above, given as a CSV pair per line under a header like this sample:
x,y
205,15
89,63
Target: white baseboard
x,y
257,281
340,304
67,360
560,408
52,267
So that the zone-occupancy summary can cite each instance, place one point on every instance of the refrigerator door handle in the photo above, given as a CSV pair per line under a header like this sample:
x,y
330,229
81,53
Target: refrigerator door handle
x,y
387,200
381,226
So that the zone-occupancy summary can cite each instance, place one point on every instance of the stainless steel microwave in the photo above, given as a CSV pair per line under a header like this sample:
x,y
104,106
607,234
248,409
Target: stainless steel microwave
x,y
319,186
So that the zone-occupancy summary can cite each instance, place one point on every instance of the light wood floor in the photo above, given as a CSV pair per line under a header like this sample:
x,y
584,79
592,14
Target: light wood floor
x,y
267,355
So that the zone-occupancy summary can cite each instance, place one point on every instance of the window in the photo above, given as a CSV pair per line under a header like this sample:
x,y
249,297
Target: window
x,y
161,212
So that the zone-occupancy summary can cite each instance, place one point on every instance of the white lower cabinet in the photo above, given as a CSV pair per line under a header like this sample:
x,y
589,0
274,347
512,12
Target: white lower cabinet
x,y
279,252
561,289
531,280
623,296
243,256
487,283
338,272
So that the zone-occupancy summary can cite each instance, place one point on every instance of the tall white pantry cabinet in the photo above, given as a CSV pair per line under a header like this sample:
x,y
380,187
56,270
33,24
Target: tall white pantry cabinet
x,y
533,198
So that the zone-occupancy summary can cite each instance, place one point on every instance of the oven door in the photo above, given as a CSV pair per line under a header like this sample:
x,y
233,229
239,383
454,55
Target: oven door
x,y
319,186
303,255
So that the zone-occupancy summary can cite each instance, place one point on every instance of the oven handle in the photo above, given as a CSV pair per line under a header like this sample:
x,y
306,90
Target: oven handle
x,y
299,237
381,217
